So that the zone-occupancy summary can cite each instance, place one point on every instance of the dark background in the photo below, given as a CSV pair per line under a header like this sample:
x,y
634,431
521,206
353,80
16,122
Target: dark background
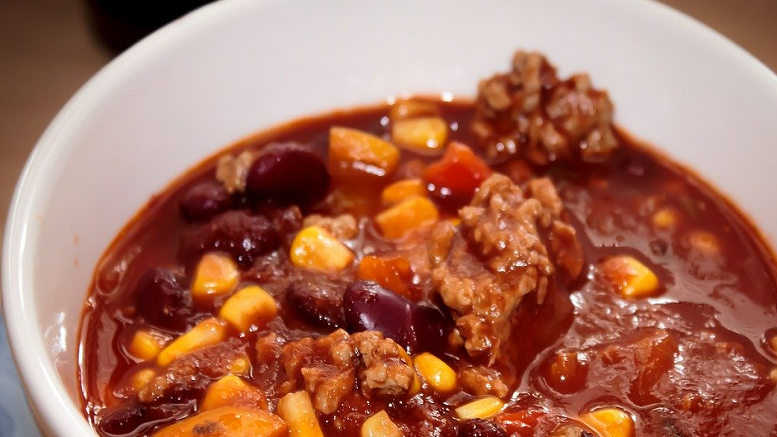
x,y
47,52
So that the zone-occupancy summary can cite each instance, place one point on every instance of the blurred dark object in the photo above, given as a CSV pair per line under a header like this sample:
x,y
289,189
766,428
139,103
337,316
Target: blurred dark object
x,y
120,23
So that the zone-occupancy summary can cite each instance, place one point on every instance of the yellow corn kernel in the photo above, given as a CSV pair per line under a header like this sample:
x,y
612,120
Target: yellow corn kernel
x,y
227,422
410,214
421,134
412,109
610,422
240,365
232,391
206,333
141,379
435,372
415,386
401,190
632,278
216,275
665,218
482,408
353,153
247,306
147,344
380,425
297,409
315,248
705,243
773,375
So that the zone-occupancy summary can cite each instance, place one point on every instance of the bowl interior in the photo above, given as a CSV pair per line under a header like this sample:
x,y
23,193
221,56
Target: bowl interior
x,y
239,66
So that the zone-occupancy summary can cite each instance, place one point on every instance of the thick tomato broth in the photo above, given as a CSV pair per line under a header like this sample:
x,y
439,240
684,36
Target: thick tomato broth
x,y
691,358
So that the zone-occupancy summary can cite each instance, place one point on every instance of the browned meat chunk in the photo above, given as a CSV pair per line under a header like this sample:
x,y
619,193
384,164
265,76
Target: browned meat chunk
x,y
532,112
482,381
563,238
330,367
483,268
343,227
232,171
584,115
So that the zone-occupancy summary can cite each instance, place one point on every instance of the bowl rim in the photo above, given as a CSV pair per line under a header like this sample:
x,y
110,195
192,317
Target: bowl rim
x,y
55,412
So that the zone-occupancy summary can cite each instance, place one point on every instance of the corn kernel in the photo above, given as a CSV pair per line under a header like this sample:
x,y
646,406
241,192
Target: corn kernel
x,y
705,243
247,306
147,344
482,408
401,190
227,421
435,372
415,386
427,134
206,333
297,409
405,357
380,425
315,248
665,218
413,213
610,422
412,109
216,275
632,278
773,344
240,365
141,379
353,153
232,391
773,375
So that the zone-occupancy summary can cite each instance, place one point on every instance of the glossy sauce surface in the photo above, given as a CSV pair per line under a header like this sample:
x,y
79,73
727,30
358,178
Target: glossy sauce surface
x,y
691,360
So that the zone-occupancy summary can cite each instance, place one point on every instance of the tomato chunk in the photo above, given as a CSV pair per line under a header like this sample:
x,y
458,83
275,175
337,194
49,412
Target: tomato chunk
x,y
458,173
520,423
390,271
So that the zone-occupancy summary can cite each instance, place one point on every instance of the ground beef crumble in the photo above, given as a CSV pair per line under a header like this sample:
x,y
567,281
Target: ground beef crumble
x,y
232,171
343,227
331,367
532,112
483,268
482,381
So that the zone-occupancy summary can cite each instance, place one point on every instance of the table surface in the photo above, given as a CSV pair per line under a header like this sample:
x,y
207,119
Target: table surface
x,y
47,53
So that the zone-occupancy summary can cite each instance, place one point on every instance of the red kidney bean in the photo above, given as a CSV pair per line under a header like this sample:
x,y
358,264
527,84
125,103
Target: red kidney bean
x,y
162,301
238,233
288,173
140,419
204,201
417,327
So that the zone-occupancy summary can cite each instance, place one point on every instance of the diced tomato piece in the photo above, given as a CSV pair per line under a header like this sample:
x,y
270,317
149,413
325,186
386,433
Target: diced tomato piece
x,y
520,423
390,271
459,171
566,372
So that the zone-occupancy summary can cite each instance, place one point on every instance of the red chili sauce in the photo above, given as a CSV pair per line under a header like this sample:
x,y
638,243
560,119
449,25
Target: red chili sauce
x,y
526,254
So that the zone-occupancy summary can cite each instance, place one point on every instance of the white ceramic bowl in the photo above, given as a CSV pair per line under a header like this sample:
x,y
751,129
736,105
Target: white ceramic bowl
x,y
239,66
